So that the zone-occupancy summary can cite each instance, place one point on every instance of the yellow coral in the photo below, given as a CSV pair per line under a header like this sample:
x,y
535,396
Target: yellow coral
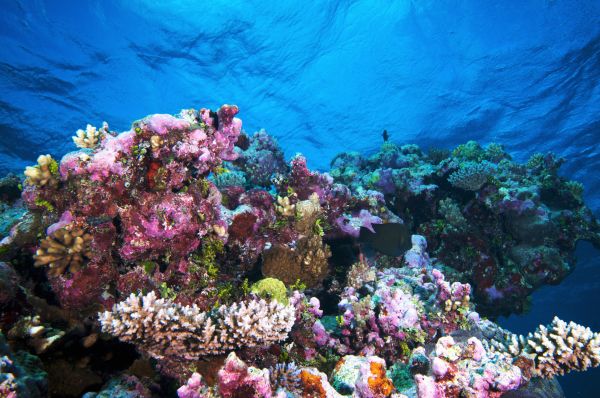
x,y
65,248
90,137
156,142
44,174
284,206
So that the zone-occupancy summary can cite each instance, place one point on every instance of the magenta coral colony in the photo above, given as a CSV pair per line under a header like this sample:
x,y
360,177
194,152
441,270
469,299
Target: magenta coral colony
x,y
184,257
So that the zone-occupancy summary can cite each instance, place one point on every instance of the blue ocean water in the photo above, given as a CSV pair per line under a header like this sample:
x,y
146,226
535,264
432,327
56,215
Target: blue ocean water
x,y
323,77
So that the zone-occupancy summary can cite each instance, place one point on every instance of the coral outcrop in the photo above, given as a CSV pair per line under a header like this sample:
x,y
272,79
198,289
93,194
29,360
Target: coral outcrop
x,y
165,231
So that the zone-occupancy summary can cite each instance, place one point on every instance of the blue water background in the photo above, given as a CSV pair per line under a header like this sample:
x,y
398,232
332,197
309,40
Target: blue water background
x,y
323,77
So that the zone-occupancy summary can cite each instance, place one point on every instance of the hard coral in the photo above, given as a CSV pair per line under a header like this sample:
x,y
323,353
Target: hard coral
x,y
460,370
89,138
67,247
168,330
554,350
44,174
306,262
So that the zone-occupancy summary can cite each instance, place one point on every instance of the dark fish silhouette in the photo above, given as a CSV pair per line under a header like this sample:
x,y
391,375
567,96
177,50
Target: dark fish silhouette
x,y
390,239
386,136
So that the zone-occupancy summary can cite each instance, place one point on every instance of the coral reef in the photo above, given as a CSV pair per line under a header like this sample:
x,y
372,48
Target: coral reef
x,y
467,370
399,309
185,251
506,228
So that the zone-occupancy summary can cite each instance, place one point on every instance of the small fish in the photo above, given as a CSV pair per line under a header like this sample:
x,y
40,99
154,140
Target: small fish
x,y
386,136
391,239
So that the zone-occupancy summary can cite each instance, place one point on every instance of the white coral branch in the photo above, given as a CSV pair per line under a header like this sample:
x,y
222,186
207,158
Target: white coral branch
x,y
165,329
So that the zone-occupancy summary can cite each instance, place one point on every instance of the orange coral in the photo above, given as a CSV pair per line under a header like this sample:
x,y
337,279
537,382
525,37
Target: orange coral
x,y
379,383
311,385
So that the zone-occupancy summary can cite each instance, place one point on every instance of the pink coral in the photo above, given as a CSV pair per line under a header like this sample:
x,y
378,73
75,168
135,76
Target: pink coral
x,y
236,379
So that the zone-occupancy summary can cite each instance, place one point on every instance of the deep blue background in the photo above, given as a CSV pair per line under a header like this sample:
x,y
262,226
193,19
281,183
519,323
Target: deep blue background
x,y
322,76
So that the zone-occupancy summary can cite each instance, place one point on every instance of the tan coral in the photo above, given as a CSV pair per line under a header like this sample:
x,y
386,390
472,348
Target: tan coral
x,y
67,247
306,262
44,174
90,137
360,273
307,212
156,142
555,350
285,207
37,335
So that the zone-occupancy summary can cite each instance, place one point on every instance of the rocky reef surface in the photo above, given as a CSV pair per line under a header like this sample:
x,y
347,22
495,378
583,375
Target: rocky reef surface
x,y
185,257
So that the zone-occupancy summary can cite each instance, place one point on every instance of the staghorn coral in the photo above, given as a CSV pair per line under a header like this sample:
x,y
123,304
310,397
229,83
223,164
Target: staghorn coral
x,y
306,262
67,247
553,350
45,173
90,137
165,329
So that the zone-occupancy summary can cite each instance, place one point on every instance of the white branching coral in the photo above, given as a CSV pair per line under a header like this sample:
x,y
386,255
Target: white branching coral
x,y
90,137
556,349
165,329
45,173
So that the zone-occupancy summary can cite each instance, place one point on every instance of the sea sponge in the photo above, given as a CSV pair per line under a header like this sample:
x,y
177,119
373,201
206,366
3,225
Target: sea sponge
x,y
90,137
271,288
306,262
45,173
67,247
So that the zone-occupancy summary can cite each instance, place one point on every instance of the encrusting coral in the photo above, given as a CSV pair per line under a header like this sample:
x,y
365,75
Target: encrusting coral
x,y
165,329
67,247
553,350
